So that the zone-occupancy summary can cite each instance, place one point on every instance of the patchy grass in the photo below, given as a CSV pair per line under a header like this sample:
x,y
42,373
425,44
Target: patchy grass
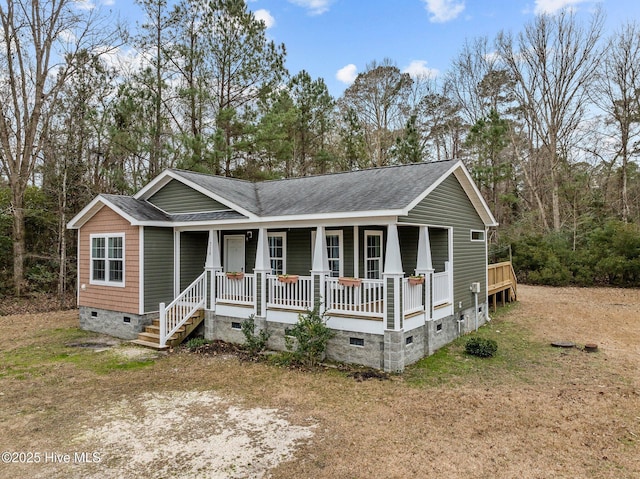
x,y
531,411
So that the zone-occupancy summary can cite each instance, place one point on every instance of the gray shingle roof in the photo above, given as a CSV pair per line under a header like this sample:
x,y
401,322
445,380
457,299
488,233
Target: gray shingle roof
x,y
144,211
138,209
374,189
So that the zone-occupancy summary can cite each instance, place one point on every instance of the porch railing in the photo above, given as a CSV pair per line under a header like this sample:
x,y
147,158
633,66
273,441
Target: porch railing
x,y
296,295
441,289
173,316
234,289
367,299
413,297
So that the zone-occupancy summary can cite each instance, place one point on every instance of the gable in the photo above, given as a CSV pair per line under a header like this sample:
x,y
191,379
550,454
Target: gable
x,y
176,197
447,205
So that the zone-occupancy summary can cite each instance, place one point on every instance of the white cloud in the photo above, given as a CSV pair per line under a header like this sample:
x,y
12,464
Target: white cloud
x,y
347,74
419,69
84,5
444,10
553,6
315,7
108,3
265,16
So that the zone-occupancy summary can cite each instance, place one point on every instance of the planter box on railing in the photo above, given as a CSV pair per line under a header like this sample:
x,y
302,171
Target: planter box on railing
x,y
235,275
288,278
354,282
413,280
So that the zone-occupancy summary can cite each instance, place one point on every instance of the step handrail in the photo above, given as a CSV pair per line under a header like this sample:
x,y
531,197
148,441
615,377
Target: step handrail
x,y
182,308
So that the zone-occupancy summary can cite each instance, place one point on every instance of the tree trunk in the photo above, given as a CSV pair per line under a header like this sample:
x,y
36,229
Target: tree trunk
x,y
18,241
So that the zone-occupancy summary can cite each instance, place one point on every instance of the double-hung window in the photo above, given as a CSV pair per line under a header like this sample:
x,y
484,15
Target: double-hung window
x,y
373,254
334,251
278,252
107,259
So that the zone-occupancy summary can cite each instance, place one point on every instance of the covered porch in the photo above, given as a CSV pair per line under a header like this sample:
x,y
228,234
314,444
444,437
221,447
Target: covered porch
x,y
355,274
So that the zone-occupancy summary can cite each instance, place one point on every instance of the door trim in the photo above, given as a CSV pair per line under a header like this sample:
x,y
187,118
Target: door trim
x,y
226,251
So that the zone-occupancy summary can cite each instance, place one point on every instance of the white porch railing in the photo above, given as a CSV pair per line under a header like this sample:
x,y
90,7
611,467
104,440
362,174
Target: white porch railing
x,y
295,295
173,316
235,290
441,288
364,300
413,295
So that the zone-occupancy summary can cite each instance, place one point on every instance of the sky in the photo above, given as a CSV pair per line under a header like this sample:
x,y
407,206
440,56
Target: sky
x,y
337,39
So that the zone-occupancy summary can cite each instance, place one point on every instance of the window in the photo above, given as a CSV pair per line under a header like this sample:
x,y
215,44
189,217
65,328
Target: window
x,y
477,235
334,251
373,254
278,252
107,259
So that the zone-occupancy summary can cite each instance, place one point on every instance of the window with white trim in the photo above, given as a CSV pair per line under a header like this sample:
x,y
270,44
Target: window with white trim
x,y
335,254
278,252
373,254
107,259
477,235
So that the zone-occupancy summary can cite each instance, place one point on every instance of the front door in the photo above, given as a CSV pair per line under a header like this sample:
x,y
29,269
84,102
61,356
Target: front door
x,y
234,253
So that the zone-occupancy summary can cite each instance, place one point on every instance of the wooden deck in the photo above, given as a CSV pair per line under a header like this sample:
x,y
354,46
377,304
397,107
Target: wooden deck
x,y
502,284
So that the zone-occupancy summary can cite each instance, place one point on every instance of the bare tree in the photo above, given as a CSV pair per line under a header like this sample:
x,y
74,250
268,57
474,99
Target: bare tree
x,y
617,93
552,65
379,98
37,36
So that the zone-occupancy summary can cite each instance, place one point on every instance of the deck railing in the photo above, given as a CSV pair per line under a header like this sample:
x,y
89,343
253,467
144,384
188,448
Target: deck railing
x,y
441,289
367,299
235,290
295,295
413,295
173,316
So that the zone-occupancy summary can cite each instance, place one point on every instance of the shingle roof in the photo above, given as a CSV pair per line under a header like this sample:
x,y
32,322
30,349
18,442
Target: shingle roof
x,y
141,210
138,209
374,189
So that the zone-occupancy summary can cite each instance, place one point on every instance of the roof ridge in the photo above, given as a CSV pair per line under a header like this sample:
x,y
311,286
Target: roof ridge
x,y
211,175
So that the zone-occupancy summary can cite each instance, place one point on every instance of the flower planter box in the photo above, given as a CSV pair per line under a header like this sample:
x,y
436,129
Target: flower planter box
x,y
288,278
413,280
350,281
235,276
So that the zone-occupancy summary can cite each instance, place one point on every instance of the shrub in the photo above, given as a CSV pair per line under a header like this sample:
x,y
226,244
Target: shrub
x,y
311,336
195,343
481,347
254,343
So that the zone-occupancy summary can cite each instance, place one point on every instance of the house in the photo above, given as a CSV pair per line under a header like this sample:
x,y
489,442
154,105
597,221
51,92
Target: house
x,y
351,241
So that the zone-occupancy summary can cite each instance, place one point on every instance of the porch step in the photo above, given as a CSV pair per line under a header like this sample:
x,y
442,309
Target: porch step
x,y
148,344
150,338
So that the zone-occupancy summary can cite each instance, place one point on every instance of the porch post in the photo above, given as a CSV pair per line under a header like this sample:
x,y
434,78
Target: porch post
x,y
319,269
393,304
262,269
424,267
211,266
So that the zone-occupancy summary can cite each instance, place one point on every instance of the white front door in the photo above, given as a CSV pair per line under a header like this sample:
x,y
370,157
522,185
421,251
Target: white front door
x,y
234,253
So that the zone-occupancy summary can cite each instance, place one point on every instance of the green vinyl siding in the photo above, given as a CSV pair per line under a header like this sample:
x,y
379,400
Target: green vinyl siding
x,y
193,254
158,267
299,251
448,205
439,241
176,197
408,237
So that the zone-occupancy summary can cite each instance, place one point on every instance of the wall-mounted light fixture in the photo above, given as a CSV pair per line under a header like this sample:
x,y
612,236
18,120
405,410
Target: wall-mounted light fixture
x,y
249,235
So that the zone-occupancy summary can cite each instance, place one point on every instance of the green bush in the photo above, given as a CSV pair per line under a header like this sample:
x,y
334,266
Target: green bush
x,y
481,347
254,343
311,336
195,343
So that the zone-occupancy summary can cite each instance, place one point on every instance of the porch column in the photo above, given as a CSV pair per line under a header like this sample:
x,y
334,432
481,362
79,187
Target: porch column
x,y
211,266
261,270
319,269
393,310
424,267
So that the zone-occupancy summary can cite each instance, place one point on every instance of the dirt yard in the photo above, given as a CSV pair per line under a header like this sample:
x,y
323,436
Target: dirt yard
x,y
73,404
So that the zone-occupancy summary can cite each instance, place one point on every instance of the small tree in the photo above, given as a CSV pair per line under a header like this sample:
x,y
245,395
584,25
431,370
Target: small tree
x,y
254,343
312,335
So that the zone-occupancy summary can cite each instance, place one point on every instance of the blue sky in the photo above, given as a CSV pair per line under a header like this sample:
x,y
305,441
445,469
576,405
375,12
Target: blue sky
x,y
336,39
